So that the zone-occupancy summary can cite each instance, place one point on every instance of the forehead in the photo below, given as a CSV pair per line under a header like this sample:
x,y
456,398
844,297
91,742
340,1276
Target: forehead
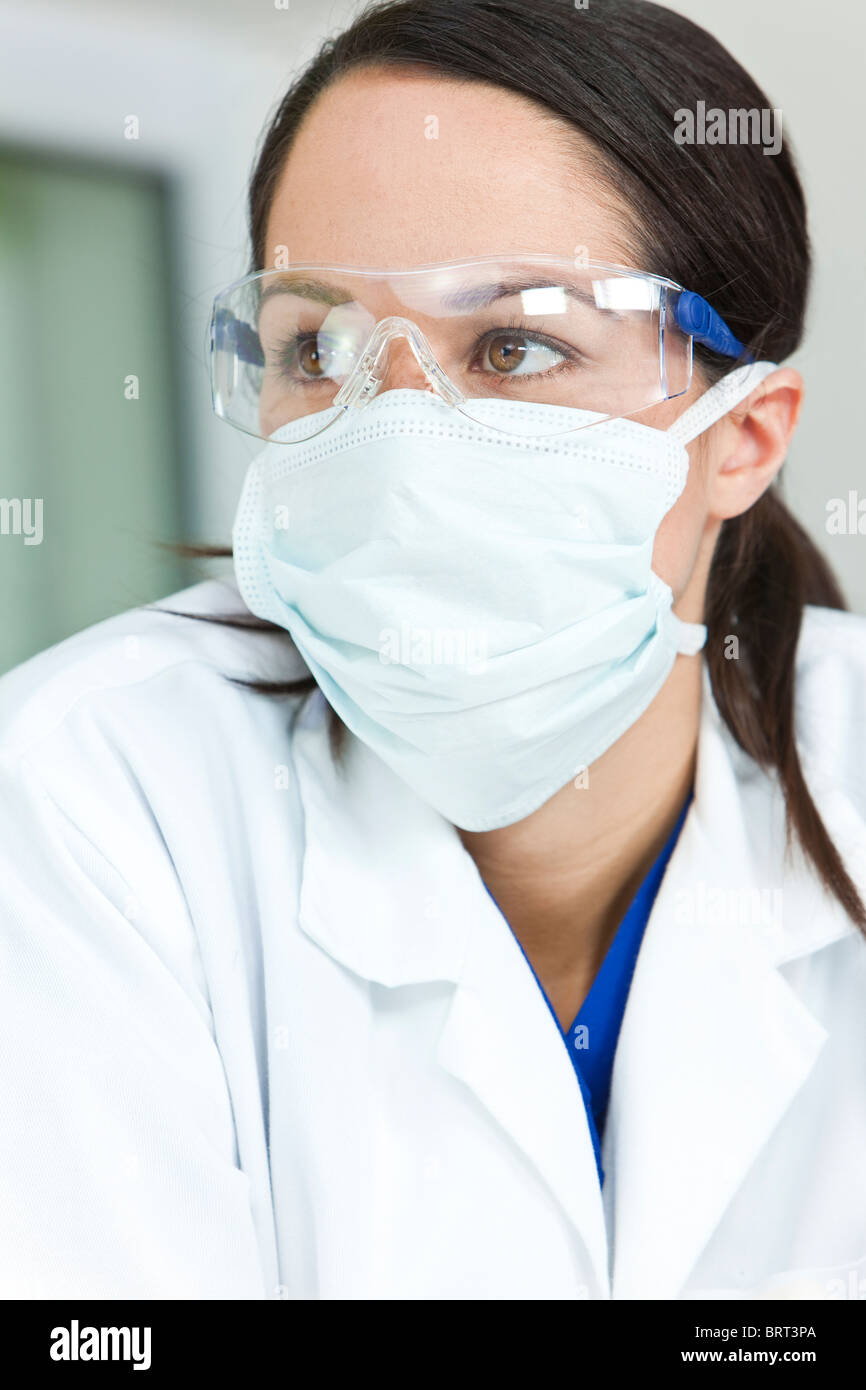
x,y
400,168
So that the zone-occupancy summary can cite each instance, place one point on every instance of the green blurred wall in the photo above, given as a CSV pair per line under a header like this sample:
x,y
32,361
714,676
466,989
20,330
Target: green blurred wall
x,y
85,301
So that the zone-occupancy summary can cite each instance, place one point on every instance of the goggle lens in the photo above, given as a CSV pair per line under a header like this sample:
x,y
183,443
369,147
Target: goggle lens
x,y
290,344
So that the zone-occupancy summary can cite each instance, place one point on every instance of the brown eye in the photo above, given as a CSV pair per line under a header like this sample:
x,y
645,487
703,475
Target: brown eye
x,y
506,352
308,358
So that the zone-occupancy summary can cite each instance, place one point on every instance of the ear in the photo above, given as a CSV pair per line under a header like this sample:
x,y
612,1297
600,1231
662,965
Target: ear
x,y
751,444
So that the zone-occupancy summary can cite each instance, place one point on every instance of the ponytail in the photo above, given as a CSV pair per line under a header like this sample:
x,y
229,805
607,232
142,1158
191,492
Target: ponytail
x,y
765,570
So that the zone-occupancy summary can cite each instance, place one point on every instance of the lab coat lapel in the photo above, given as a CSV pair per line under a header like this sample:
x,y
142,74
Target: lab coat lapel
x,y
389,891
502,1040
714,1044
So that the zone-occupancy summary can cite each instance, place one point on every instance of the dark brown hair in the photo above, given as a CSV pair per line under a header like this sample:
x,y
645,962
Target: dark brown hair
x,y
725,220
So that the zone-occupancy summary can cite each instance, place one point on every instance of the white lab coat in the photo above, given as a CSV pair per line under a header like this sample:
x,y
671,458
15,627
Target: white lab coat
x,y
266,1035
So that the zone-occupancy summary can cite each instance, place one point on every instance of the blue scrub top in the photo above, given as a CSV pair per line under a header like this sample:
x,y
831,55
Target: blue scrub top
x,y
591,1040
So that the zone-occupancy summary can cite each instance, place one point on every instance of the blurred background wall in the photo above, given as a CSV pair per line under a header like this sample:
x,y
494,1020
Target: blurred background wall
x,y
111,249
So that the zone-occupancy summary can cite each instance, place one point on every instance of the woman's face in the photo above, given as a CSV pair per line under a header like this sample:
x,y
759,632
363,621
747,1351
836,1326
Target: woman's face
x,y
364,184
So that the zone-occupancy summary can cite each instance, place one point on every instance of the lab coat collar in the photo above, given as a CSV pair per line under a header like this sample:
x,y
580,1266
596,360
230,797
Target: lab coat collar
x,y
714,1043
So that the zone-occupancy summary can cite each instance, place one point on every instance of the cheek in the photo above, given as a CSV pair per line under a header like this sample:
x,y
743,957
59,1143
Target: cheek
x,y
679,536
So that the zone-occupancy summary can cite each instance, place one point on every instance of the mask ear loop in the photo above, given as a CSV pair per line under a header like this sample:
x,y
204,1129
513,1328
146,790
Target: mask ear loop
x,y
690,638
719,399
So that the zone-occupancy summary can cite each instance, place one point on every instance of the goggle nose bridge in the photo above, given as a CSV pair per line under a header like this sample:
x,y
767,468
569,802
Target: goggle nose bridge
x,y
366,378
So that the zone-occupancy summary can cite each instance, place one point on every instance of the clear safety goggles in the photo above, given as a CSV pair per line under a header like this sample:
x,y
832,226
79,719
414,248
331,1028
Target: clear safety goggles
x,y
304,344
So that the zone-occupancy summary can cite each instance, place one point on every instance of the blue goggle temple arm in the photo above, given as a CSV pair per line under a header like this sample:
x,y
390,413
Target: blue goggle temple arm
x,y
700,320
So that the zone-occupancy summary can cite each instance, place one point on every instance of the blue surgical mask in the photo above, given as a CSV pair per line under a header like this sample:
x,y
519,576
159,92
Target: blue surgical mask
x,y
478,607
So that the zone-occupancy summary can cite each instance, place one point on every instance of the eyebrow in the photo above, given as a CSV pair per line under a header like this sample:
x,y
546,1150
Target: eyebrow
x,y
307,289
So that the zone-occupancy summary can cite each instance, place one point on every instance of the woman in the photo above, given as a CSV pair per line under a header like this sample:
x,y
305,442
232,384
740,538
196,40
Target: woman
x,y
516,951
